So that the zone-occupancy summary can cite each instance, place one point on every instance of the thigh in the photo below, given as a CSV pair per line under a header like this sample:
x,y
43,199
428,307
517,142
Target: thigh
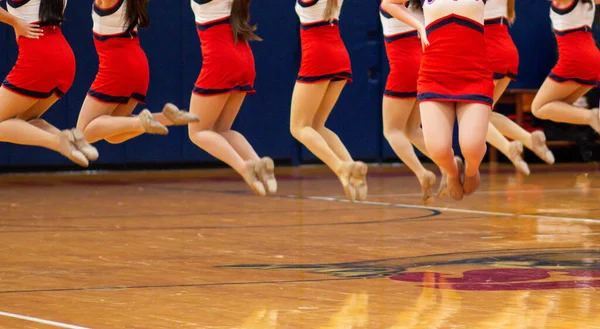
x,y
208,109
230,111
12,105
397,111
306,100
125,110
332,94
473,121
551,91
438,121
91,109
414,120
582,90
39,108
500,86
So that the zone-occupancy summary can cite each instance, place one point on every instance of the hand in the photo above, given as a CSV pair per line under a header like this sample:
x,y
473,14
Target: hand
x,y
24,29
423,36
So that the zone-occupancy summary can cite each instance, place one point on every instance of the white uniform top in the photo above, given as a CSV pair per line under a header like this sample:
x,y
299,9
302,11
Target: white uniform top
x,y
578,16
496,9
207,11
392,26
110,21
27,10
311,11
436,9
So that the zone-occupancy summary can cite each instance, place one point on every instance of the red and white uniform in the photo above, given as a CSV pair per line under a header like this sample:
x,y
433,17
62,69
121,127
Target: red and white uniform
x,y
123,73
226,66
501,50
45,66
454,67
404,52
324,55
578,56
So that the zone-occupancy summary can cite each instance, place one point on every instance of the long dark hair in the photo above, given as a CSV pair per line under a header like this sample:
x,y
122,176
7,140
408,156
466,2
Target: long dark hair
x,y
416,4
51,12
240,15
137,14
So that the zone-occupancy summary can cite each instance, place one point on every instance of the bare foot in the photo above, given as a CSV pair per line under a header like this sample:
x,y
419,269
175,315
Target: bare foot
x,y
427,181
359,180
515,151
539,147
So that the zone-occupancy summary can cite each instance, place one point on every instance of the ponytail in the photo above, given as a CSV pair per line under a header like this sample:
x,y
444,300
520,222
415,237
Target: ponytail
x,y
137,14
510,9
52,12
240,15
330,8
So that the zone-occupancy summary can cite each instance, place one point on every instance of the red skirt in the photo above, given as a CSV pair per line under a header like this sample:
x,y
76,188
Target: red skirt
x,y
578,58
324,55
44,67
226,66
123,73
501,50
454,67
404,52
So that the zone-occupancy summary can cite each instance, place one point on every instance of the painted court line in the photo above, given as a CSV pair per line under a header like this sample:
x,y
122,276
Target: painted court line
x,y
457,210
37,320
489,192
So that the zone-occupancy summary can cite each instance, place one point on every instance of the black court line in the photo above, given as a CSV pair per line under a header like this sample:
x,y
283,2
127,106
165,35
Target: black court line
x,y
172,286
189,214
434,213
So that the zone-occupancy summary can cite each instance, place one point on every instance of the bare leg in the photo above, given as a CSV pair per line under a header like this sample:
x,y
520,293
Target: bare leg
x,y
473,121
33,114
18,131
397,113
266,166
203,134
306,101
329,100
234,138
553,102
438,125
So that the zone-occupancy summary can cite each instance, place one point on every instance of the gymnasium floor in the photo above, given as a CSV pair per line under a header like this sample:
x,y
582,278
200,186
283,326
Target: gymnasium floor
x,y
193,249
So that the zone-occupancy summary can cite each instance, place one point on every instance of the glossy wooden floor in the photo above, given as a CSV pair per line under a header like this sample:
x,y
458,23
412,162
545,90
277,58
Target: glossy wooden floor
x,y
193,249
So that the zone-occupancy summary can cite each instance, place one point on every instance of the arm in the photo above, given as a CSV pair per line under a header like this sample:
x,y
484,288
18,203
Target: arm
x,y
397,9
21,27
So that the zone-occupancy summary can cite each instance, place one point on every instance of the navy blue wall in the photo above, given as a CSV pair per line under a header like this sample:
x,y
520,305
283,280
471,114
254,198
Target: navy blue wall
x,y
174,53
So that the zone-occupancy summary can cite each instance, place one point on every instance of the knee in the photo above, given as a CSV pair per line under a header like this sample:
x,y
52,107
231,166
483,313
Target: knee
x,y
439,151
473,149
537,109
296,130
414,134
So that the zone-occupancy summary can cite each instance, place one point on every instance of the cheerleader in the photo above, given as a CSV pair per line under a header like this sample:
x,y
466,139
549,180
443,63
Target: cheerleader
x,y
455,80
324,71
44,72
227,76
504,62
401,118
578,67
123,78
